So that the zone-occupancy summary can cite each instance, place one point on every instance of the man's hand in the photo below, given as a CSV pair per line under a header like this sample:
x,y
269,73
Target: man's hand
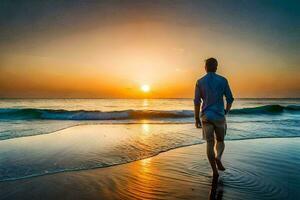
x,y
197,119
227,109
197,123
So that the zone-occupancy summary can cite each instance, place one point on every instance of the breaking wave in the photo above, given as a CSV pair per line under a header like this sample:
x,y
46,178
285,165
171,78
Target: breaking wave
x,y
33,113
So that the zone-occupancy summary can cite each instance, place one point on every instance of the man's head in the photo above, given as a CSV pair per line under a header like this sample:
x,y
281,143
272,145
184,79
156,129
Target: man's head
x,y
211,65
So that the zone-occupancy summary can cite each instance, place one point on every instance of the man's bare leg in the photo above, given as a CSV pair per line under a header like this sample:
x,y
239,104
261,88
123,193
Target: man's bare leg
x,y
210,146
220,149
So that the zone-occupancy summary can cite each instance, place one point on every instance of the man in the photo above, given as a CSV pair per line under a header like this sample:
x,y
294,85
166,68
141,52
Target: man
x,y
210,90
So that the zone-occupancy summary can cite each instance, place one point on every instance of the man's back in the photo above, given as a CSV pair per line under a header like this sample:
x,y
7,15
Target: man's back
x,y
211,89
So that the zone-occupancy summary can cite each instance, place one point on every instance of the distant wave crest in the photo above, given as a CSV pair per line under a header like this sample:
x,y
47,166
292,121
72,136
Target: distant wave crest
x,y
33,113
267,109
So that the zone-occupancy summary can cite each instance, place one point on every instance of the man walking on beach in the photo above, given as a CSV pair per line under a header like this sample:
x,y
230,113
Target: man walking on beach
x,y
210,90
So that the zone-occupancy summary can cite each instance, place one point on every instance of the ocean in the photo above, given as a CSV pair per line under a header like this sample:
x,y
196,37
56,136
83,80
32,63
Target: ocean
x,y
133,129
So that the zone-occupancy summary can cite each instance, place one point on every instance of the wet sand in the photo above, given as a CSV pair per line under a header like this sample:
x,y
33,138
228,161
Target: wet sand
x,y
256,169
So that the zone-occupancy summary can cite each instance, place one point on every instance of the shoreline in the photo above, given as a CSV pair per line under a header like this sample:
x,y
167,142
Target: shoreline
x,y
77,138
114,165
179,173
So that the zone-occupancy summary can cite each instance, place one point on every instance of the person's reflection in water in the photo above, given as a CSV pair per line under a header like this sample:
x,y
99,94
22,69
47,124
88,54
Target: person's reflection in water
x,y
215,192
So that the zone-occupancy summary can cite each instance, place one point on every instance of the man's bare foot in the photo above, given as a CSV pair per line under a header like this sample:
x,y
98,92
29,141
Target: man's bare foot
x,y
220,165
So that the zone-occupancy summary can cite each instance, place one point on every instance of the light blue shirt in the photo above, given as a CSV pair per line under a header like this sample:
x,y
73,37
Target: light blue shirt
x,y
210,90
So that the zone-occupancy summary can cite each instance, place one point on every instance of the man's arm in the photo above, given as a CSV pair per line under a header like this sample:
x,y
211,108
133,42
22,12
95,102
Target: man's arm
x,y
229,98
197,102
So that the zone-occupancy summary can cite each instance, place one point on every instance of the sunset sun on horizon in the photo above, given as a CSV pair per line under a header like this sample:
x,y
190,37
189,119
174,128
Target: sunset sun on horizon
x,y
145,88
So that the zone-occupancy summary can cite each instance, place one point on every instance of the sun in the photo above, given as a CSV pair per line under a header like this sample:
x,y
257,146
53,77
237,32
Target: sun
x,y
145,88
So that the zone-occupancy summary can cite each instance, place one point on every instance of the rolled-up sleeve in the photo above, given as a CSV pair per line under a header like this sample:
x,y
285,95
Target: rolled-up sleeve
x,y
228,93
197,98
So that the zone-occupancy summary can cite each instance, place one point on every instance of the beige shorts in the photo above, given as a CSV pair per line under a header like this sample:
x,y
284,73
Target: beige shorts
x,y
213,128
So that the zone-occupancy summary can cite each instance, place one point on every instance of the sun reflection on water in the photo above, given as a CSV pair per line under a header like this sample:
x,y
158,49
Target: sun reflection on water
x,y
145,128
145,104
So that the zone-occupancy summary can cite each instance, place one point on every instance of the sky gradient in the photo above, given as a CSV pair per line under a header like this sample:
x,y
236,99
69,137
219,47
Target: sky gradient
x,y
108,49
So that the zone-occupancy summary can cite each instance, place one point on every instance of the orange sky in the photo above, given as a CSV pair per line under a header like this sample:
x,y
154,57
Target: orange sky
x,y
113,59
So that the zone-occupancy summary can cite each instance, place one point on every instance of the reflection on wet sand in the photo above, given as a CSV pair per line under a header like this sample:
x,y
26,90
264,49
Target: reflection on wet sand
x,y
216,191
141,182
166,176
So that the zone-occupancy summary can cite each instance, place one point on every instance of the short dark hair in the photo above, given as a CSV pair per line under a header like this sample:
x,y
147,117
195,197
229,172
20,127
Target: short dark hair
x,y
211,64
